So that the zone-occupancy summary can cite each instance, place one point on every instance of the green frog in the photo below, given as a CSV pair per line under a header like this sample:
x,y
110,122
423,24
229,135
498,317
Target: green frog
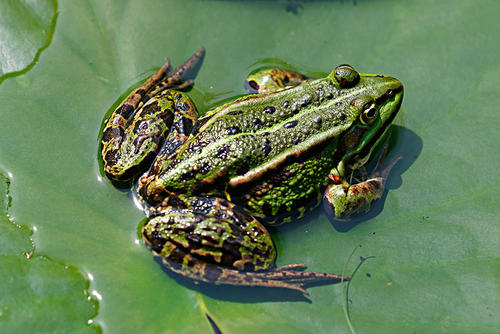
x,y
209,185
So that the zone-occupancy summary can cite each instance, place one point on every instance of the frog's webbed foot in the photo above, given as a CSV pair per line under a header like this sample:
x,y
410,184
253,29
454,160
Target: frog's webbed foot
x,y
216,242
343,200
177,78
137,129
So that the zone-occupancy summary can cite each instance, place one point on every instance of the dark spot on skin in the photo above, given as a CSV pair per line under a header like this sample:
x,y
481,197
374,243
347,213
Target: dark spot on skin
x,y
111,133
111,157
375,184
188,176
283,208
190,262
342,117
204,168
318,120
296,141
178,97
222,152
266,148
248,267
140,92
269,109
256,122
187,124
151,109
157,241
291,124
329,95
172,259
182,106
243,169
338,104
202,205
379,76
212,273
235,112
305,103
199,123
233,130
176,202
169,146
267,209
241,216
286,104
263,134
126,110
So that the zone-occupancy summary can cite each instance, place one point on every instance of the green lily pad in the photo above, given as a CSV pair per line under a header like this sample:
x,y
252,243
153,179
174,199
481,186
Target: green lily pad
x,y
26,28
429,254
39,295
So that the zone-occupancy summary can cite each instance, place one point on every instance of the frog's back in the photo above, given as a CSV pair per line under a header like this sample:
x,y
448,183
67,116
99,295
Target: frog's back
x,y
239,142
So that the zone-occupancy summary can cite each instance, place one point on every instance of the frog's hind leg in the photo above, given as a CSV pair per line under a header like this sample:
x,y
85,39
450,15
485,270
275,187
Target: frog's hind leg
x,y
217,242
137,128
177,77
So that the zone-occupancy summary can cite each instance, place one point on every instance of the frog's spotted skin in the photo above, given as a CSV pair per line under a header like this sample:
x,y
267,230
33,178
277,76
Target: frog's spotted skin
x,y
136,129
265,156
215,241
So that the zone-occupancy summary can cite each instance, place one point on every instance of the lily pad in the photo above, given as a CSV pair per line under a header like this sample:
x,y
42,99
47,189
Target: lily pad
x,y
429,254
26,28
39,295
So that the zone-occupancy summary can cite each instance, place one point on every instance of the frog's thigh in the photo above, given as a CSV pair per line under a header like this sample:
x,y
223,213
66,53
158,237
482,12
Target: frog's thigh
x,y
185,116
289,192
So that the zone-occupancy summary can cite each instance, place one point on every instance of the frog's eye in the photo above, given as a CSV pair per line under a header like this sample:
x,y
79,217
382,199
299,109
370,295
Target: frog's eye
x,y
369,114
346,76
366,108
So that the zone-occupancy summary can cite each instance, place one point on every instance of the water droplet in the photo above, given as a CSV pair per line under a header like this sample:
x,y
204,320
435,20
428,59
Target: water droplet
x,y
97,294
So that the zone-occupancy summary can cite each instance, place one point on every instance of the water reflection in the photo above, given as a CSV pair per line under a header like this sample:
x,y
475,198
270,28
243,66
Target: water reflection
x,y
239,294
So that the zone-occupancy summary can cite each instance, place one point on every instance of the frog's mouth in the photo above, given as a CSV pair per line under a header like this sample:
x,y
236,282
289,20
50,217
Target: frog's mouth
x,y
391,100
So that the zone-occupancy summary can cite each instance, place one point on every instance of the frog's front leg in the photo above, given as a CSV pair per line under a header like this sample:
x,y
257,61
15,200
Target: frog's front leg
x,y
137,129
217,242
343,200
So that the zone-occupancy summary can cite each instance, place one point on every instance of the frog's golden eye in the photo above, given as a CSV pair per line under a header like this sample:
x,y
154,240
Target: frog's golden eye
x,y
346,76
369,114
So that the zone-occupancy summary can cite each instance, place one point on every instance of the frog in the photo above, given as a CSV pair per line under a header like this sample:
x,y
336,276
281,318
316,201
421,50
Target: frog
x,y
210,185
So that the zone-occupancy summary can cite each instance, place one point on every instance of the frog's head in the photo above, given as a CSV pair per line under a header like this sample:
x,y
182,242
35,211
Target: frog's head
x,y
374,105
